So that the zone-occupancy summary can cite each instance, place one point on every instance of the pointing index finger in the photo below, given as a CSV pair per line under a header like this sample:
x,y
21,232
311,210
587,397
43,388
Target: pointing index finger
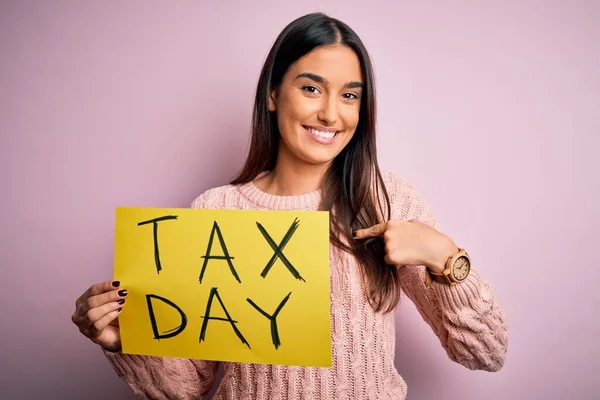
x,y
374,231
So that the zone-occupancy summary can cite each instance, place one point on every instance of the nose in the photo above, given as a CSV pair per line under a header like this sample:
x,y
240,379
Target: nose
x,y
328,114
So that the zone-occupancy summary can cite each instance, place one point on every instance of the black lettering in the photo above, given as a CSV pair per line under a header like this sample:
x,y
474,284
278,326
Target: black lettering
x,y
225,255
172,332
155,222
214,292
273,319
279,250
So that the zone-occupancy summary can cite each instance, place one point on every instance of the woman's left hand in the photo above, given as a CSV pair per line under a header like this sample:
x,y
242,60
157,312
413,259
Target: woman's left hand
x,y
412,243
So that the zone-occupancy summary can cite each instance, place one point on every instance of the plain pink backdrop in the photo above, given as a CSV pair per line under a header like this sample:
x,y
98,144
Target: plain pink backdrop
x,y
490,107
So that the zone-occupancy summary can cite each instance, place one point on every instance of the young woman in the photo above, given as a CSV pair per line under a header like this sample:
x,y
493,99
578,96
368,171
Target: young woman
x,y
313,148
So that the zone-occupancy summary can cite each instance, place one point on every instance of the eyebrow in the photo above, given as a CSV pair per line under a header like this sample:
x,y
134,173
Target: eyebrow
x,y
320,79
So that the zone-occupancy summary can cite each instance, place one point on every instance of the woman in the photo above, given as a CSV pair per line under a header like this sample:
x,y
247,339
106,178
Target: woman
x,y
313,147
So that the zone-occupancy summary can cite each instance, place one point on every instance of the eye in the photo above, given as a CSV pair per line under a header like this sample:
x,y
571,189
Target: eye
x,y
350,96
311,89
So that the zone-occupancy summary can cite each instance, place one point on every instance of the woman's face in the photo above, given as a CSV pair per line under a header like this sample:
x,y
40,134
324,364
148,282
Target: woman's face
x,y
318,104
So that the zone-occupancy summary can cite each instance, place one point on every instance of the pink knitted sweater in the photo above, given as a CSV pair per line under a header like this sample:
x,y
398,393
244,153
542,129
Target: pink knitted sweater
x,y
467,319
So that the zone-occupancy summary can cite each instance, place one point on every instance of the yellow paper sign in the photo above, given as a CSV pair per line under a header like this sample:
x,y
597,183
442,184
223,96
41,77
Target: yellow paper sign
x,y
228,285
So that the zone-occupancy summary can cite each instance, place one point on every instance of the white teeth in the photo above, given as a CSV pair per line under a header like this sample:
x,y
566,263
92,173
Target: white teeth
x,y
324,135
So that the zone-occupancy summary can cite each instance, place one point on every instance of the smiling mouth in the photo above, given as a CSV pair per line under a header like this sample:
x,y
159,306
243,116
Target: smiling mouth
x,y
322,134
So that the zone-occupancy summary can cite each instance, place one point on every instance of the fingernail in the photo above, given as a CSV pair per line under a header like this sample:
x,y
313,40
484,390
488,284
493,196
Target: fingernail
x,y
119,309
116,283
121,301
123,293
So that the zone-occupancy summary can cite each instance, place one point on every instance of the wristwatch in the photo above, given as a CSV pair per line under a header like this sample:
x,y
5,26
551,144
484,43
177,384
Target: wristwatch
x,y
457,270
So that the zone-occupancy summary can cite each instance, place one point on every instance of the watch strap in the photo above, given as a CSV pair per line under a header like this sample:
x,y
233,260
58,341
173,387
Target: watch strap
x,y
443,278
439,278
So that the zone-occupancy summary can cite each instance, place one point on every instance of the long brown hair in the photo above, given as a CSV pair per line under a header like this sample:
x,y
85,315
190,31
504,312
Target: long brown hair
x,y
353,191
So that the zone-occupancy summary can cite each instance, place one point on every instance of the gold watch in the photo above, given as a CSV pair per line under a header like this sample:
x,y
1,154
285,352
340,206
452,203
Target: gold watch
x,y
457,270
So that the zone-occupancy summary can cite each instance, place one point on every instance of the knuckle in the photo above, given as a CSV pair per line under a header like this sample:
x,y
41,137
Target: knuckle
x,y
88,317
96,327
89,304
390,254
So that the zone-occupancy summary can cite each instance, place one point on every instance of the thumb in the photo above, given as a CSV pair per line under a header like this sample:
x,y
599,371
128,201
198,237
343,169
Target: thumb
x,y
374,231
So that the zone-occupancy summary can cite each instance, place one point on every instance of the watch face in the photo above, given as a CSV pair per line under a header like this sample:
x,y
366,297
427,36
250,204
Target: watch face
x,y
461,268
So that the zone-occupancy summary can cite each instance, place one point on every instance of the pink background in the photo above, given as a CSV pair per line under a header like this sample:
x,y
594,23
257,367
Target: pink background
x,y
490,108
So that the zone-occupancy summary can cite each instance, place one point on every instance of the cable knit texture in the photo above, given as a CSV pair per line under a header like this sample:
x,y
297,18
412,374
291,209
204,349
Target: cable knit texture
x,y
466,318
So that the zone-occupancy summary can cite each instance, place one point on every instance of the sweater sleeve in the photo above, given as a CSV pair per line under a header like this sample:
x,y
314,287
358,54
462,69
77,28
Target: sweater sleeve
x,y
151,377
467,318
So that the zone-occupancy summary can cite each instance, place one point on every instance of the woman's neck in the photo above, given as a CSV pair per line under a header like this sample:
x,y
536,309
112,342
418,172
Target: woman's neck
x,y
292,179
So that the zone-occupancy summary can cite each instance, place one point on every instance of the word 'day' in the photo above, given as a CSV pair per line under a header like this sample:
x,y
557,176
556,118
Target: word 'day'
x,y
227,285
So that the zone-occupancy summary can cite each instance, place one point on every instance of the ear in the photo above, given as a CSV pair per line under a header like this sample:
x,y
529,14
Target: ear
x,y
272,98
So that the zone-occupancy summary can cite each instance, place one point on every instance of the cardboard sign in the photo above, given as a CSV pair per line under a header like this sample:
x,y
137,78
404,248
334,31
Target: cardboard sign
x,y
227,285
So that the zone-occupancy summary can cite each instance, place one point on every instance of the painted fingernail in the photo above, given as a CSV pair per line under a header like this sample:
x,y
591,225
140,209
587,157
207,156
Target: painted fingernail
x,y
116,284
123,293
121,301
119,309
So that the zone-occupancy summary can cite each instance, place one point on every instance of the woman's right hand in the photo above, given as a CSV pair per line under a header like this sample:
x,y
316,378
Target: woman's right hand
x,y
96,313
